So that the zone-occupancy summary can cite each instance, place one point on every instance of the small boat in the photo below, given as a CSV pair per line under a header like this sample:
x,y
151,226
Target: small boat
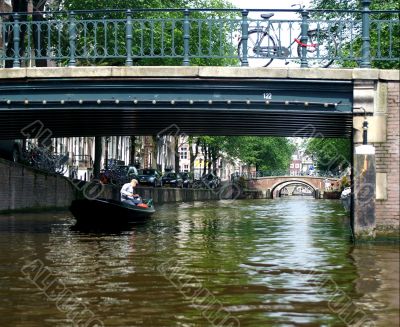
x,y
345,198
104,211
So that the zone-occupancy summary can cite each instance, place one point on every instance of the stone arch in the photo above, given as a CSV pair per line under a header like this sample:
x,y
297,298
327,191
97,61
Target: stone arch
x,y
284,183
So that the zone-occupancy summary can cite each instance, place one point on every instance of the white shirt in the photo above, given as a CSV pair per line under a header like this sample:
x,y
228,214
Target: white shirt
x,y
127,190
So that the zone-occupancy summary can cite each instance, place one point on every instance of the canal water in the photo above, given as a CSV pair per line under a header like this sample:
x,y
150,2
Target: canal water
x,y
284,262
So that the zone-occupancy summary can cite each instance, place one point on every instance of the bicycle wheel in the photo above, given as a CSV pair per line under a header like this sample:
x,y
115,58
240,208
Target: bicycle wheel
x,y
261,49
321,50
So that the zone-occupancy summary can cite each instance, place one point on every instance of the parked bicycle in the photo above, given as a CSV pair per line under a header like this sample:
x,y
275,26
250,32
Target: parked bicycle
x,y
118,174
42,158
208,181
264,44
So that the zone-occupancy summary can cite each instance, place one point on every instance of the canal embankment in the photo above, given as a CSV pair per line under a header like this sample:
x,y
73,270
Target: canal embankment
x,y
27,189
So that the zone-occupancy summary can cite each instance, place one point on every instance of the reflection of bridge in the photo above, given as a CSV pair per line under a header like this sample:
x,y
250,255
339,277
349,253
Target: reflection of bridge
x,y
296,190
271,186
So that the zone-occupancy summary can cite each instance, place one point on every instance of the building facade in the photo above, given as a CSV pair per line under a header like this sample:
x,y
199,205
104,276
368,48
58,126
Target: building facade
x,y
118,150
295,166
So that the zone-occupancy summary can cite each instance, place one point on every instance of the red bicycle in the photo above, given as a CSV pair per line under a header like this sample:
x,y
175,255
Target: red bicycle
x,y
264,45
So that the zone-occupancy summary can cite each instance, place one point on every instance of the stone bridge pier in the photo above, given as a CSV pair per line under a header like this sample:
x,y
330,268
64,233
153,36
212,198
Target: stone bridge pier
x,y
376,165
375,175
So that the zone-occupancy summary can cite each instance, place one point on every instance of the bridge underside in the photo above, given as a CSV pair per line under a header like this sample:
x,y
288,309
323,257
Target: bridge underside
x,y
278,188
134,106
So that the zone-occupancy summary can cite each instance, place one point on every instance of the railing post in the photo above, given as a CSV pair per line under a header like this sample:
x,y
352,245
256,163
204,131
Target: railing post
x,y
304,38
186,36
16,40
129,38
366,42
72,39
245,37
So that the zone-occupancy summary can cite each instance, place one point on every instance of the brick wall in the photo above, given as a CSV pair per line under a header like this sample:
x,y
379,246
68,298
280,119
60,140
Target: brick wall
x,y
387,161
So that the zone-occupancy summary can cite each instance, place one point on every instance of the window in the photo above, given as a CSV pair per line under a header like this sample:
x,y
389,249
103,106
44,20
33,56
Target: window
x,y
184,153
291,165
297,165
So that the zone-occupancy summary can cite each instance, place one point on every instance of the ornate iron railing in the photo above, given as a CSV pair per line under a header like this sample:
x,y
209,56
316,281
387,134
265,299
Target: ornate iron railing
x,y
229,37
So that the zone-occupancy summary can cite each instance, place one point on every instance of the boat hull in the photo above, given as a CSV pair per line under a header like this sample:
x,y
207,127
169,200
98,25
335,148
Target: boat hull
x,y
107,211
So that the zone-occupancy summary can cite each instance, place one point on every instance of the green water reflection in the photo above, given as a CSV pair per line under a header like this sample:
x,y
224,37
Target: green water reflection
x,y
286,262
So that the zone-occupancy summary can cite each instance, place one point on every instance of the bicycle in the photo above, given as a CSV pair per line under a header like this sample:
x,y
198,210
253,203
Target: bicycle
x,y
208,181
43,159
264,45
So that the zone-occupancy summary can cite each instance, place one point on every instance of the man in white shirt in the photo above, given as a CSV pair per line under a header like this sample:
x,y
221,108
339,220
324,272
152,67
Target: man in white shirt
x,y
128,193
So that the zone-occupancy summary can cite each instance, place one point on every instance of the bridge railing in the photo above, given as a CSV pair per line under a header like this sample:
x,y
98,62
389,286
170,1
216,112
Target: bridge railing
x,y
226,37
275,173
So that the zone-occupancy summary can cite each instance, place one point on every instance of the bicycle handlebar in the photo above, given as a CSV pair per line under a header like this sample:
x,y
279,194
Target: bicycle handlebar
x,y
299,5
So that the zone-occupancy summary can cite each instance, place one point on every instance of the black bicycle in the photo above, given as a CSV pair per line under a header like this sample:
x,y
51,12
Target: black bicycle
x,y
264,45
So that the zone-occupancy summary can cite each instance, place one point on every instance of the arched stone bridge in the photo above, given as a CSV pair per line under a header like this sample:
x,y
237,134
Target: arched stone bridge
x,y
271,186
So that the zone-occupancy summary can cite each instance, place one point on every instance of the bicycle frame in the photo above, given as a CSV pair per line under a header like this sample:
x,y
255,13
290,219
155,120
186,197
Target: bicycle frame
x,y
280,51
264,44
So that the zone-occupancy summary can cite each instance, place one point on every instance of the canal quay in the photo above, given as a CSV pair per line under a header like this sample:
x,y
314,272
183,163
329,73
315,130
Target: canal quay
x,y
192,167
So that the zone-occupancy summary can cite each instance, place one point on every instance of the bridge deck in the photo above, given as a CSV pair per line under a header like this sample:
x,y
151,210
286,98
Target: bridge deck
x,y
75,102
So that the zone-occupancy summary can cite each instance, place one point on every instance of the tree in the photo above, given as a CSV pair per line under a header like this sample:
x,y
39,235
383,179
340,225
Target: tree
x,y
331,154
384,30
158,37
193,153
265,153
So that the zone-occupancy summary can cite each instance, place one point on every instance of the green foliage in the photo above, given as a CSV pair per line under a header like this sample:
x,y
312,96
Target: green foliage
x,y
384,31
330,154
266,153
157,35
344,182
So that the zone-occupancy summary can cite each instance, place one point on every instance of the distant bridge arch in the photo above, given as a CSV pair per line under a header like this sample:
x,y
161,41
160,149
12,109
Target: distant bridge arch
x,y
276,190
271,184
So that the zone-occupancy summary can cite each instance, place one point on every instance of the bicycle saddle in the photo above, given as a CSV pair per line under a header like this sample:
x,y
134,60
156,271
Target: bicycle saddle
x,y
267,16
